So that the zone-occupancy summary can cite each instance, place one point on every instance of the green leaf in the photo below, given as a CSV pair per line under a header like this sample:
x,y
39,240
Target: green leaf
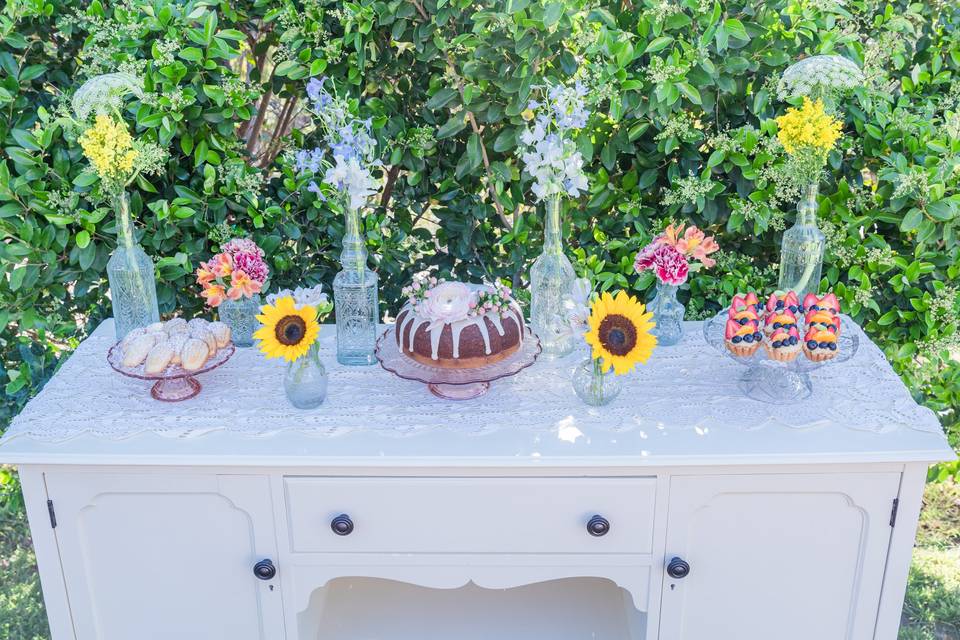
x,y
452,127
193,54
82,239
657,44
441,98
736,29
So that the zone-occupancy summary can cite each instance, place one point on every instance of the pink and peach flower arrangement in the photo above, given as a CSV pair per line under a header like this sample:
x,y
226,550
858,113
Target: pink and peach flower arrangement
x,y
238,271
670,254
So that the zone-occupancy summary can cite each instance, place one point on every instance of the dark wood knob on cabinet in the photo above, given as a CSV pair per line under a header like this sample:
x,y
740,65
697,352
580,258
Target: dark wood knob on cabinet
x,y
678,568
265,570
598,526
342,525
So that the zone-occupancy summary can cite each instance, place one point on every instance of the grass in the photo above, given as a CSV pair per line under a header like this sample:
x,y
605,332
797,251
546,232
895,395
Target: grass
x,y
931,610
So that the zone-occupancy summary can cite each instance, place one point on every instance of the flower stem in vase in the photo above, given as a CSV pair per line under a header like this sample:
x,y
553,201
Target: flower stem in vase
x,y
801,252
130,271
355,298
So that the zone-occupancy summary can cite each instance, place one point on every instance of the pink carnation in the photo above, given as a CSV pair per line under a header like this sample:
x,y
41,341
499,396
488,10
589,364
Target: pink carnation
x,y
252,264
668,264
242,245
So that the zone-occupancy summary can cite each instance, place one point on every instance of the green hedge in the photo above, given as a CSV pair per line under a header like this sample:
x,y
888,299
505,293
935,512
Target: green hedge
x,y
682,128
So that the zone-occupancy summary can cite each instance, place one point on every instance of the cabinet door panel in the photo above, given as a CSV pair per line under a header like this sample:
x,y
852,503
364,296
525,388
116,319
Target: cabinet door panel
x,y
166,556
792,557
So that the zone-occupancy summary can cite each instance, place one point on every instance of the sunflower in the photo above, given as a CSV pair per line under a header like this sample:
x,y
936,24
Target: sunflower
x,y
287,332
620,332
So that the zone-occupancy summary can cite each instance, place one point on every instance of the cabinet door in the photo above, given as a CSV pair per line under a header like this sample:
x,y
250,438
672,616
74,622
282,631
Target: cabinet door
x,y
166,555
791,557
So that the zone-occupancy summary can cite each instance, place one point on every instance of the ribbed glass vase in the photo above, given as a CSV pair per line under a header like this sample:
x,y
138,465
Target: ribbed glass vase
x,y
551,282
241,316
801,251
355,299
131,273
305,381
668,314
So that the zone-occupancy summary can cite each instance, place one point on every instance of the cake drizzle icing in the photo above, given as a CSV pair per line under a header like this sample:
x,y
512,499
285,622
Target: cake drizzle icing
x,y
415,322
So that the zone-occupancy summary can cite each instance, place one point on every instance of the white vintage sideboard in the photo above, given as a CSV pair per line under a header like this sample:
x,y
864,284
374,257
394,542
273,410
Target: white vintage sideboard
x,y
389,514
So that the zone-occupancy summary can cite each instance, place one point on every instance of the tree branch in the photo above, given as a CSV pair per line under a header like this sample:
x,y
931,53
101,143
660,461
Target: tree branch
x,y
254,133
392,174
423,14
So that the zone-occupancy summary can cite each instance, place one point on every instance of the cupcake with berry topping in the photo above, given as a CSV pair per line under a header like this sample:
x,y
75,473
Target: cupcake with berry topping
x,y
783,345
820,345
828,302
742,339
783,302
748,302
779,320
822,320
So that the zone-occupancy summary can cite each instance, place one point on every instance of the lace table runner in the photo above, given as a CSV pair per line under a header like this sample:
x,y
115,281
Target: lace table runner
x,y
687,386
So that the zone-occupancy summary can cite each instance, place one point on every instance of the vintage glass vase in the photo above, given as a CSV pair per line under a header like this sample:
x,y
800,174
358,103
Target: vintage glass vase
x,y
668,314
355,299
130,271
801,252
594,386
551,281
241,316
305,381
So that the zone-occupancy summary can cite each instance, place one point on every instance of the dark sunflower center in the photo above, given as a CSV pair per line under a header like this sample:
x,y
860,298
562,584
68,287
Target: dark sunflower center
x,y
290,330
617,334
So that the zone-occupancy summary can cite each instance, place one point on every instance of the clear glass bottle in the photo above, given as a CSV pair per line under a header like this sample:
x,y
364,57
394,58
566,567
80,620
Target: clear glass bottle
x,y
241,316
595,386
355,299
131,273
551,281
305,381
668,314
801,252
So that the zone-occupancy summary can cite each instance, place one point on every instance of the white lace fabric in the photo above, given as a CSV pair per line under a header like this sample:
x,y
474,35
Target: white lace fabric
x,y
683,387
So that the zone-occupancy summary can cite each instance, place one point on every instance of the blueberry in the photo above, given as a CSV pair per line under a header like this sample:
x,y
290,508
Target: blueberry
x,y
777,344
744,321
779,304
757,336
814,308
748,338
776,325
792,308
833,346
812,344
736,340
824,345
793,339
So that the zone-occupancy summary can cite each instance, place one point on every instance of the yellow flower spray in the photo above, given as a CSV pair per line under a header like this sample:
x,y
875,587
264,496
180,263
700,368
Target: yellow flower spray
x,y
808,134
109,147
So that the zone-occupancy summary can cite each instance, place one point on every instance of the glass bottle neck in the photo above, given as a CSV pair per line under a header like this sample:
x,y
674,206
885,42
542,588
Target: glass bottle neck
x,y
553,228
807,207
124,224
354,253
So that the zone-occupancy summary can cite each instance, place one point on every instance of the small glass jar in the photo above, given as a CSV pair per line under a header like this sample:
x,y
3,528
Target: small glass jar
x,y
801,251
305,381
551,281
595,386
241,316
668,314
355,299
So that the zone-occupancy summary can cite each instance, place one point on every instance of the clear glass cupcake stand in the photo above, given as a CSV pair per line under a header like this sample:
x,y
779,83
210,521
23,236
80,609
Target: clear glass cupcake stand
x,y
175,383
455,384
778,382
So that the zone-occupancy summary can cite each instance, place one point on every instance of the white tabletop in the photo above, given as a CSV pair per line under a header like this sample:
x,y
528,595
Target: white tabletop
x,y
682,408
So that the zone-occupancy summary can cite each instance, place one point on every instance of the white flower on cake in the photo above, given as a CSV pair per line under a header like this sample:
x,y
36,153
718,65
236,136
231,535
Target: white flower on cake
x,y
446,303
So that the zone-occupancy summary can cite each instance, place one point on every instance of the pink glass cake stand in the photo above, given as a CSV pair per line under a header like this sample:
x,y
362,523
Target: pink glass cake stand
x,y
773,381
175,383
455,384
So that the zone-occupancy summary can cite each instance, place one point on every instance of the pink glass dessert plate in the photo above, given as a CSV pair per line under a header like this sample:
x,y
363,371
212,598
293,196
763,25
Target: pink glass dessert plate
x,y
455,384
175,383
769,380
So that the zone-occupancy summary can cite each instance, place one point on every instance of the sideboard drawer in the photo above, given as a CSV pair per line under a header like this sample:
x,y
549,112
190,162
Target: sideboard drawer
x,y
471,515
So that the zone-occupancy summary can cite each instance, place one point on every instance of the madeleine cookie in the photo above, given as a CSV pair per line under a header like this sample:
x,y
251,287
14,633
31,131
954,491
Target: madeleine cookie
x,y
138,349
194,354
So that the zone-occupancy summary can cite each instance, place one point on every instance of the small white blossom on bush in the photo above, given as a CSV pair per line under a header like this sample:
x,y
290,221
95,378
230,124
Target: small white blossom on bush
x,y
819,76
104,94
549,156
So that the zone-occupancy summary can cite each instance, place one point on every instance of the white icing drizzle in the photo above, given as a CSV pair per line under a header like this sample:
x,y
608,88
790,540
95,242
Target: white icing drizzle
x,y
414,321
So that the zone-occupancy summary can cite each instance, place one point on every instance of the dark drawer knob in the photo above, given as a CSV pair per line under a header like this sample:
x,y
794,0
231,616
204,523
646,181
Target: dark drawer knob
x,y
265,570
342,525
598,526
678,568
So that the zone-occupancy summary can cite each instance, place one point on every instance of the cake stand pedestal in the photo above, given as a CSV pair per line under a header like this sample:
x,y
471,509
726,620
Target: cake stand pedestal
x,y
175,383
773,381
455,384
